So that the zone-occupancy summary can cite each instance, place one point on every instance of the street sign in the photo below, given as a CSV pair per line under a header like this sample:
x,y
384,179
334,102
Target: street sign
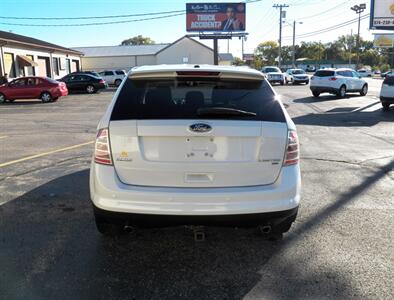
x,y
217,17
382,15
383,41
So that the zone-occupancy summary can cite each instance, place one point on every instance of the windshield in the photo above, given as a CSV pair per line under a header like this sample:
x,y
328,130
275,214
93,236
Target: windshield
x,y
271,70
295,72
197,98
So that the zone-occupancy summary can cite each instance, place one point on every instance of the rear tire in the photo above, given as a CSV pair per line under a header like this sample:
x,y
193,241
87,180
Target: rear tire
x,y
282,82
342,92
316,94
90,89
118,82
46,97
2,98
386,106
364,90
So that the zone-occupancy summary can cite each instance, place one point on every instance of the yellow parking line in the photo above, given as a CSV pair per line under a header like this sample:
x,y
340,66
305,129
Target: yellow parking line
x,y
3,137
44,154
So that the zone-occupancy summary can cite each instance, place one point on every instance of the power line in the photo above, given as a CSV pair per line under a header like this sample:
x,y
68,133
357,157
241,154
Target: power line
x,y
104,17
157,15
92,24
91,17
334,27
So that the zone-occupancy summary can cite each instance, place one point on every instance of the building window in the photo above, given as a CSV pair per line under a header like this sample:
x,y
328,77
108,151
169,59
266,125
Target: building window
x,y
9,64
30,71
68,65
55,64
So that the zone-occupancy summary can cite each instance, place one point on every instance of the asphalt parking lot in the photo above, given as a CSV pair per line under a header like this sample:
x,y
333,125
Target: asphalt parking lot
x,y
341,245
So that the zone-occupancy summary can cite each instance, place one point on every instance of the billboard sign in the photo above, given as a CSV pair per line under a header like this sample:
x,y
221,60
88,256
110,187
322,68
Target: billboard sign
x,y
382,14
383,41
218,17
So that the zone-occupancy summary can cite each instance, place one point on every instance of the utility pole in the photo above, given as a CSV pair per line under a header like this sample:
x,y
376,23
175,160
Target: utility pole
x,y
350,47
280,6
358,9
294,36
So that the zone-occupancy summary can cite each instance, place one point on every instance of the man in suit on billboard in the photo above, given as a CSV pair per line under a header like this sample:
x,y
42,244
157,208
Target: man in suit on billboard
x,y
232,23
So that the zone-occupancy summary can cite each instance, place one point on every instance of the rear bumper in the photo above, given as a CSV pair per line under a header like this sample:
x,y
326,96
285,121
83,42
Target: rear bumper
x,y
324,89
274,219
109,194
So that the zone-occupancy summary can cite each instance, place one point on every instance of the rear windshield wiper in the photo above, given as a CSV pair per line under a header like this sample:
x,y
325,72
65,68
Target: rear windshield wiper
x,y
225,111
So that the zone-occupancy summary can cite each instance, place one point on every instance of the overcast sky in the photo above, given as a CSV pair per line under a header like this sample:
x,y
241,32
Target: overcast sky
x,y
262,21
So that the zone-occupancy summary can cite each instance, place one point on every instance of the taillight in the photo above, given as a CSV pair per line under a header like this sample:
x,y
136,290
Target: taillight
x,y
292,151
102,81
333,78
102,151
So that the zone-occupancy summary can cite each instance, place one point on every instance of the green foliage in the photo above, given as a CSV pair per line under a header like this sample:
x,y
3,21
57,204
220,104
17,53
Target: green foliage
x,y
267,52
384,68
238,62
342,49
137,40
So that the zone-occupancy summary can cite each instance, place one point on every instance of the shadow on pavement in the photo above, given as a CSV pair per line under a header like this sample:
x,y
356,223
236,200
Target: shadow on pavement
x,y
325,98
344,118
50,250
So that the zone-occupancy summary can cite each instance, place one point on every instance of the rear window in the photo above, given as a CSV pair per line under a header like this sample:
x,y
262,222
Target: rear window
x,y
192,98
324,73
389,80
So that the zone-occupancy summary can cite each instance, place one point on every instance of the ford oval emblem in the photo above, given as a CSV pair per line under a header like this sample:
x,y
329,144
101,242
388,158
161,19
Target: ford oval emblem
x,y
200,127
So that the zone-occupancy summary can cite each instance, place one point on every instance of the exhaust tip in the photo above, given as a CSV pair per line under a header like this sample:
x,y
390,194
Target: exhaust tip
x,y
266,229
128,228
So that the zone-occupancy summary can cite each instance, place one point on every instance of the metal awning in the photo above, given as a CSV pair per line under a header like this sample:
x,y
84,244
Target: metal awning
x,y
26,61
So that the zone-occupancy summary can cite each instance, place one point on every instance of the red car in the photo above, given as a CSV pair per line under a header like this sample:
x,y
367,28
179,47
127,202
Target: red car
x,y
43,88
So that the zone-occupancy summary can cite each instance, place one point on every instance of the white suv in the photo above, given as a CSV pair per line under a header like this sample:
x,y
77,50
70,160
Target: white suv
x,y
274,75
113,77
195,145
338,82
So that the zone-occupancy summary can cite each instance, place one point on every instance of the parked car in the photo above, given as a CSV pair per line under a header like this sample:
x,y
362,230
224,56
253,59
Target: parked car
x,y
33,87
296,76
274,75
87,72
84,82
387,92
364,73
310,69
377,72
113,77
195,145
385,74
338,82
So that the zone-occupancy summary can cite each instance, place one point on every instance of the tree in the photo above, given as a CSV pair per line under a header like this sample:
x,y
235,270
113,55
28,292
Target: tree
x,y
238,62
137,40
267,52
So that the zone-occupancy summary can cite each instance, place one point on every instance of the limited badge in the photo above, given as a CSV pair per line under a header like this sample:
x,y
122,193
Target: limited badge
x,y
124,156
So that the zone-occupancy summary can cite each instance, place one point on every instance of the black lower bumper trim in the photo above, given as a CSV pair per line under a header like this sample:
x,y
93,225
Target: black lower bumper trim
x,y
319,89
242,220
387,100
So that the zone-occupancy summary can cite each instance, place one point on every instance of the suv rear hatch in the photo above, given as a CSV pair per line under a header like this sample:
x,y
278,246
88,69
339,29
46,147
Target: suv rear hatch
x,y
197,130
322,77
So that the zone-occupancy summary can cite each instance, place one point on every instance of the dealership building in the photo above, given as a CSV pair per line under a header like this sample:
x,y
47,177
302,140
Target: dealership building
x,y
25,56
185,50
